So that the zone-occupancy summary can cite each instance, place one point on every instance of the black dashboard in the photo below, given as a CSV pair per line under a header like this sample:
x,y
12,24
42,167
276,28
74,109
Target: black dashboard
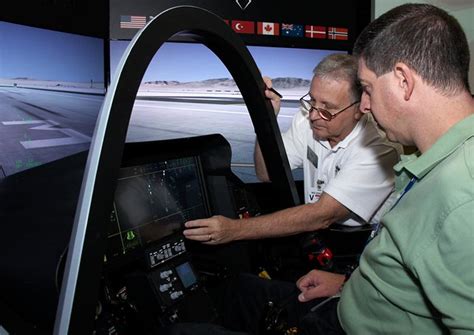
x,y
152,275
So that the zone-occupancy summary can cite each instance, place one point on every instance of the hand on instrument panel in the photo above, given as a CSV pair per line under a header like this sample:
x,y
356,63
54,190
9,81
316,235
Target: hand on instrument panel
x,y
215,230
275,99
317,284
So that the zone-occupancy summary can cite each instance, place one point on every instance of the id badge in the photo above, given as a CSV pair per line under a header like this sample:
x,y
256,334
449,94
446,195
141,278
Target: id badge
x,y
314,195
315,192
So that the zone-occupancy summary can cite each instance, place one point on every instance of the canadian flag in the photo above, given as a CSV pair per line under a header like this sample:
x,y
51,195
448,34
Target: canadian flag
x,y
268,28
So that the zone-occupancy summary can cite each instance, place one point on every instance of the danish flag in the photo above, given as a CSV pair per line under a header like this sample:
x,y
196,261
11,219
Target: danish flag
x,y
315,31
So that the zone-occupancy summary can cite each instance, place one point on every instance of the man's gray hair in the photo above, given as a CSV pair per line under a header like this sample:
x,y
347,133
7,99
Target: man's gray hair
x,y
340,67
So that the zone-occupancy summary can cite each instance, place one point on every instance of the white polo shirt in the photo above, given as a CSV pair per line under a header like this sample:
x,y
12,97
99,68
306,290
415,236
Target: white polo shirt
x,y
357,172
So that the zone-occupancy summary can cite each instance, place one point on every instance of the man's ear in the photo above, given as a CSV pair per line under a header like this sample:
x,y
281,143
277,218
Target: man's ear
x,y
406,80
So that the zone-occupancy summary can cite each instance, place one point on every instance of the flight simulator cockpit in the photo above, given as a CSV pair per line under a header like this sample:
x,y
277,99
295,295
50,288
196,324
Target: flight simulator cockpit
x,y
150,271
94,240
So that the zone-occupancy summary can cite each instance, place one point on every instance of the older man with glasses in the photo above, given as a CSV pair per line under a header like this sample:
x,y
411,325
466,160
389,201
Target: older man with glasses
x,y
347,162
308,104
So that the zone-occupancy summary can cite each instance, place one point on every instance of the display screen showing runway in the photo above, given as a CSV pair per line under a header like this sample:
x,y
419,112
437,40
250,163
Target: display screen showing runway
x,y
51,91
187,91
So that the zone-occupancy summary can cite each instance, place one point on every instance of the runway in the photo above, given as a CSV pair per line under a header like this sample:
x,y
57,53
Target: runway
x,y
39,126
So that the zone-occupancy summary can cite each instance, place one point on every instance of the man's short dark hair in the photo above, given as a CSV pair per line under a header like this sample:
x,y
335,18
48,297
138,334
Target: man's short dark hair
x,y
424,37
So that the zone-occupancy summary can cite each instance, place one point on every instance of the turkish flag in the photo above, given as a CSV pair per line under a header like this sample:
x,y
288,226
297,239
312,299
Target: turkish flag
x,y
243,27
268,28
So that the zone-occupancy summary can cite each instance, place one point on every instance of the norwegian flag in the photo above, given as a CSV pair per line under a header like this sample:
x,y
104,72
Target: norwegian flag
x,y
335,33
315,31
268,28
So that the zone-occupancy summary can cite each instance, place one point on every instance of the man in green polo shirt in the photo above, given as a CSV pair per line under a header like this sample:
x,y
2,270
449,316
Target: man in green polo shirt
x,y
417,275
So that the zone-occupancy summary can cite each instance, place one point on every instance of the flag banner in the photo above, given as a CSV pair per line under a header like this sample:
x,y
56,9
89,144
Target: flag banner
x,y
243,27
268,28
335,33
132,21
292,30
315,31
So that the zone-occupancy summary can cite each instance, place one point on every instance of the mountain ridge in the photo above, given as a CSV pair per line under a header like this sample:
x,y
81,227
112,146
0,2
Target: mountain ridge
x,y
279,82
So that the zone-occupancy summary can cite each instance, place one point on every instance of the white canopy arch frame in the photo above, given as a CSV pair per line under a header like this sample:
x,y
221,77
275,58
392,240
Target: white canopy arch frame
x,y
77,302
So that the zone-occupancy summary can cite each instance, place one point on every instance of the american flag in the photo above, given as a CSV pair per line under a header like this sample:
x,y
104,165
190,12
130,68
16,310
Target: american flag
x,y
132,21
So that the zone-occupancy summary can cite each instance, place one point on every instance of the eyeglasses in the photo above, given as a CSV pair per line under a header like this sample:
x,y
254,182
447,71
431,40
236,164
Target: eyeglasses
x,y
307,105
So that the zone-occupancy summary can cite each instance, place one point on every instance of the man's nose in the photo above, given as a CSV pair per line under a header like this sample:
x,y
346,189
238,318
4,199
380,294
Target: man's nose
x,y
314,114
364,105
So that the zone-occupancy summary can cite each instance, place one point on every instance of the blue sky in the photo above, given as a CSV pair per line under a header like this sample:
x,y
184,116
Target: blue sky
x,y
49,55
189,62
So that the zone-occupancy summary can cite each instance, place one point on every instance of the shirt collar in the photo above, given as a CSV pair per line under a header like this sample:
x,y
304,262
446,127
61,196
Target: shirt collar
x,y
419,165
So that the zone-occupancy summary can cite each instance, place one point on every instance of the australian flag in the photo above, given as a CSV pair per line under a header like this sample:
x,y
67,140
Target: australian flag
x,y
292,30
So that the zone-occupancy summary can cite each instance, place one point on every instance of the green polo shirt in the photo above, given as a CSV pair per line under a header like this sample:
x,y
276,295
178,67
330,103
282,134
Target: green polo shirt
x,y
417,275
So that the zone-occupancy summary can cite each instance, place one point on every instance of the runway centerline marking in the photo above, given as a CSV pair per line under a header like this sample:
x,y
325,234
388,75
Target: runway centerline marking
x,y
73,136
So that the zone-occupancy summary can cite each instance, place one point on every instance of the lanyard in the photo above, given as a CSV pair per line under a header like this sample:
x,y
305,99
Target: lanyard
x,y
405,191
407,188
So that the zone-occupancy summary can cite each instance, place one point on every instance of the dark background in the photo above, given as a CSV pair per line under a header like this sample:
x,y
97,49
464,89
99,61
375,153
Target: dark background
x,y
91,17
353,15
